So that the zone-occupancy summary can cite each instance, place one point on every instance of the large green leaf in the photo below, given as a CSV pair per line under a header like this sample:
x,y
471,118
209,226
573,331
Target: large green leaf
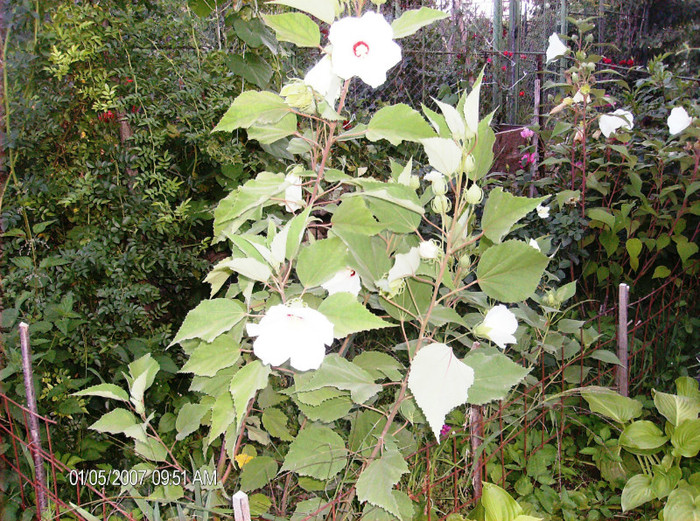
x,y
379,477
410,21
251,107
258,472
642,437
637,491
503,210
320,261
251,378
688,387
117,421
223,416
317,451
353,215
208,358
368,256
251,67
267,133
498,505
105,391
406,509
397,123
275,423
439,382
338,372
324,10
380,365
415,293
494,375
349,316
483,151
327,411
683,504
296,28
664,481
189,419
210,319
511,271
686,439
470,107
676,409
611,404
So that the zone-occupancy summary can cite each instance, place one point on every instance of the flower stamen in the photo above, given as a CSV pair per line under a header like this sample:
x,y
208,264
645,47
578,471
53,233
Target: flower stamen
x,y
360,49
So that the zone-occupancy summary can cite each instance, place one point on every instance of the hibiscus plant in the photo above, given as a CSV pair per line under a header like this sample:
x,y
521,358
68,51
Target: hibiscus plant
x,y
318,256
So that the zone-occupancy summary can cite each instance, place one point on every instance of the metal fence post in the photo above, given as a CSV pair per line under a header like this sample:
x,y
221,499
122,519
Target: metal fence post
x,y
34,433
621,373
241,508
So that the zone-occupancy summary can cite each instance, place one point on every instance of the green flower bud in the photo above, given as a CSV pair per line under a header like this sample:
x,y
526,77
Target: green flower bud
x,y
441,204
465,261
297,95
469,164
439,186
474,194
574,77
589,38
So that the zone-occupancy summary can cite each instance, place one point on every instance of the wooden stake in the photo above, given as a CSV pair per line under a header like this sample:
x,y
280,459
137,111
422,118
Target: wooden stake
x,y
34,432
476,434
241,508
622,372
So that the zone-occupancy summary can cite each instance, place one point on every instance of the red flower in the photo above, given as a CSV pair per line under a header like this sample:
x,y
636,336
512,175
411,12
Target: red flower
x,y
630,62
523,57
521,93
488,60
503,68
129,80
623,62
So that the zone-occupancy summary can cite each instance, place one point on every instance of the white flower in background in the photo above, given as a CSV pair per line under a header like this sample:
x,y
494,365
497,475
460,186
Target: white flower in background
x,y
678,121
323,80
534,244
437,181
434,176
405,265
542,211
293,200
363,47
295,333
428,250
345,281
499,325
556,48
580,98
609,123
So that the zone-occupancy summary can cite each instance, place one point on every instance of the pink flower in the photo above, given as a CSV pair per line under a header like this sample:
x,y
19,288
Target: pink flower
x,y
445,430
526,133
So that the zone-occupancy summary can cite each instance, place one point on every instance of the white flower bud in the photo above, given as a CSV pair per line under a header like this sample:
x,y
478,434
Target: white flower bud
x,y
441,204
474,194
469,164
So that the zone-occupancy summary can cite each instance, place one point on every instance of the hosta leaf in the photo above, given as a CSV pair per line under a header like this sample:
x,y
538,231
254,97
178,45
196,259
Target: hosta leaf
x,y
676,409
317,451
611,404
439,382
686,439
642,437
637,491
683,504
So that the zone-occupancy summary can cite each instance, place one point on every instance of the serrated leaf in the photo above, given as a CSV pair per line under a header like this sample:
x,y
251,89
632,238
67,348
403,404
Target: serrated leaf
x,y
494,376
324,10
252,107
380,364
336,371
397,123
412,20
208,358
105,391
223,416
439,382
151,449
266,133
328,411
296,28
320,261
258,472
275,423
379,477
349,316
353,215
189,419
406,509
510,271
611,404
251,378
210,319
503,210
317,451
117,421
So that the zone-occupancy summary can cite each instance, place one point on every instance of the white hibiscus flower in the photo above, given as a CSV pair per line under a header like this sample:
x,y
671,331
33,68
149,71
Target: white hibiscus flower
x,y
405,265
621,118
556,48
345,281
295,333
363,47
323,80
293,199
678,120
499,325
428,250
542,211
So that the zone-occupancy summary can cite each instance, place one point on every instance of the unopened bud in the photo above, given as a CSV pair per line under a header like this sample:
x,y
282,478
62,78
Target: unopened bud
x,y
474,194
589,38
441,204
439,186
465,261
469,164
